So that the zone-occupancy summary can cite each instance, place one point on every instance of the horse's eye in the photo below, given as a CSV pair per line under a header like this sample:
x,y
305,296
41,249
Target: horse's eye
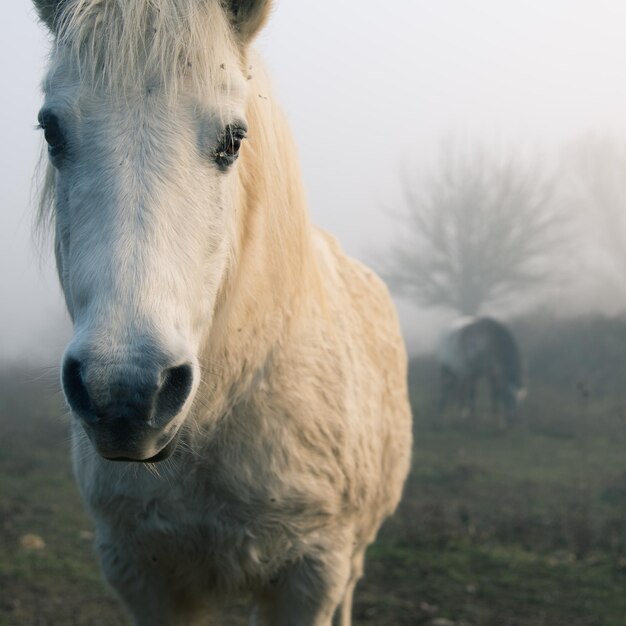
x,y
53,132
228,148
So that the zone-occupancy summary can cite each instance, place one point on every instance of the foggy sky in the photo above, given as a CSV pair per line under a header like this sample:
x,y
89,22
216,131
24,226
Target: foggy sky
x,y
369,92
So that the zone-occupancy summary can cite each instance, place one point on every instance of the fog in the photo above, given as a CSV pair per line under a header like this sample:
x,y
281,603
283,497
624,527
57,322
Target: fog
x,y
474,154
370,94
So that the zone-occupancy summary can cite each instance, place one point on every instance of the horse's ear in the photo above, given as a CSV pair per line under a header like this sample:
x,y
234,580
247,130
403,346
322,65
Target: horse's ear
x,y
248,16
49,11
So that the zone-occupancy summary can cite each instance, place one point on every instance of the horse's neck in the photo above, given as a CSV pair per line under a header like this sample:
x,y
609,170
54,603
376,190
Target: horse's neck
x,y
274,274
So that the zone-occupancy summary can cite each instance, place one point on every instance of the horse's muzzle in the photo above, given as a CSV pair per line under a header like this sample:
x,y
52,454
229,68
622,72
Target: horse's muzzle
x,y
128,412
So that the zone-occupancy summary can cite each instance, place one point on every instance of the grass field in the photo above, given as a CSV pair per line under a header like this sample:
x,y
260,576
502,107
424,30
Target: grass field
x,y
519,528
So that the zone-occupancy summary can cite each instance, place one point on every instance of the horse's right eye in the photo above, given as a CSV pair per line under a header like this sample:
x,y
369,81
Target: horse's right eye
x,y
53,133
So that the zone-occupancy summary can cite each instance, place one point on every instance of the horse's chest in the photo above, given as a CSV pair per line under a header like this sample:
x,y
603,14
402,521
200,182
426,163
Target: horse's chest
x,y
195,534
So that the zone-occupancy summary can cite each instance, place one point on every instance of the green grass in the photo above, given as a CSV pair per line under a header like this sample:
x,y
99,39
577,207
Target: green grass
x,y
490,584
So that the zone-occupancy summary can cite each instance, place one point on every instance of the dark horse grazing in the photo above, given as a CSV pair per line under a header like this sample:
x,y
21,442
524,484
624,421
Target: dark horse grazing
x,y
480,348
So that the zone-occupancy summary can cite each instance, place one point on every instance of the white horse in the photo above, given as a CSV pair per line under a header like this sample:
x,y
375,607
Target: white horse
x,y
215,330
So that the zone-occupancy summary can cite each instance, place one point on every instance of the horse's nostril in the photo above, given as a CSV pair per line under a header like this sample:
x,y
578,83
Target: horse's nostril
x,y
174,391
125,393
75,391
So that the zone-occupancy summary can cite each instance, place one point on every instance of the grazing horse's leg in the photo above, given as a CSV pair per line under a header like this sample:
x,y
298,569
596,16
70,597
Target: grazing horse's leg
x,y
495,386
447,391
498,401
470,406
495,395
309,593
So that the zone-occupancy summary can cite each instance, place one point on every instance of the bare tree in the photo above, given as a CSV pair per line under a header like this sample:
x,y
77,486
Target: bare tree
x,y
477,232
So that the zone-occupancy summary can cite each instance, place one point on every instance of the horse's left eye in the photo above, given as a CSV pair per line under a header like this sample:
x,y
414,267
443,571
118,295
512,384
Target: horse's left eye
x,y
52,132
228,149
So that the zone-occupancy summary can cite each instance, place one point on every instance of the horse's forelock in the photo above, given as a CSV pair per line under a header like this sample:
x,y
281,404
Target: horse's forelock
x,y
117,44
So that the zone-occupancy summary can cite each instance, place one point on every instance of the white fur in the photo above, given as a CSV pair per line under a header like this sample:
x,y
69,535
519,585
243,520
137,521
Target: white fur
x,y
296,438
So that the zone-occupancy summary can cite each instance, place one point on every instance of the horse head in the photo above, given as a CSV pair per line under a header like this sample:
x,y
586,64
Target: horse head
x,y
145,117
